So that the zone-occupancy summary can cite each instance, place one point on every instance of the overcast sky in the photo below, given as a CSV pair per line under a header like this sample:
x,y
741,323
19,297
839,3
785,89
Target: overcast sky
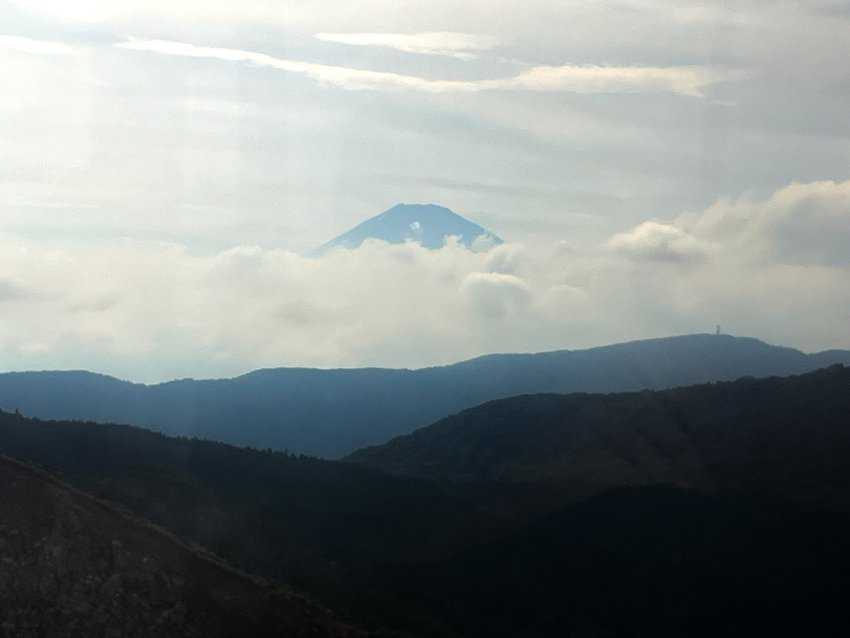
x,y
656,168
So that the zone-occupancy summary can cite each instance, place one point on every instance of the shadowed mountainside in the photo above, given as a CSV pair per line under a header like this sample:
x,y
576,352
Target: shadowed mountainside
x,y
779,438
516,531
647,561
331,413
71,565
320,526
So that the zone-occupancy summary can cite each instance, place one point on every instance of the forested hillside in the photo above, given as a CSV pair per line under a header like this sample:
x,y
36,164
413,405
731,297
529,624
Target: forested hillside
x,y
781,438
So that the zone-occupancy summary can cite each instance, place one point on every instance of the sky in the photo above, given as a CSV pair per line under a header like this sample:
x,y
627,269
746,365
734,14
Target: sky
x,y
655,168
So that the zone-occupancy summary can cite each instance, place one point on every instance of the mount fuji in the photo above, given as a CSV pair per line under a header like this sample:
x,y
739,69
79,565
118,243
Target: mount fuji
x,y
426,224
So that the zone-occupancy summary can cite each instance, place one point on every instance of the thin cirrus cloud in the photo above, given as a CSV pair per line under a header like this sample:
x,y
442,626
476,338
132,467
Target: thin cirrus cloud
x,y
338,76
464,46
682,80
686,80
29,45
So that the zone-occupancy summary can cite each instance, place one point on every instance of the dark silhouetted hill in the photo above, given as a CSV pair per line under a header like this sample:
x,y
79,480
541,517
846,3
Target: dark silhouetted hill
x,y
71,565
777,438
319,526
647,561
331,413
717,509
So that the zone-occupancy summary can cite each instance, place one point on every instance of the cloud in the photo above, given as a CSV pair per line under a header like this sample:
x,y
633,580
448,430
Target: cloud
x,y
464,46
683,80
658,242
37,47
10,291
801,223
496,295
150,310
798,224
505,258
103,11
338,76
687,81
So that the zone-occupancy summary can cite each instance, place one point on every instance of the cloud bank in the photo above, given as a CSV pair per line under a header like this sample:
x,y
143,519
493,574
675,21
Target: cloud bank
x,y
153,311
801,224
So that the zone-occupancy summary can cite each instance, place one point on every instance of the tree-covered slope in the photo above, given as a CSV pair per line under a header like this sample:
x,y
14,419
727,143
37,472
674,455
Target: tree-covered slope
x,y
512,529
783,438
653,561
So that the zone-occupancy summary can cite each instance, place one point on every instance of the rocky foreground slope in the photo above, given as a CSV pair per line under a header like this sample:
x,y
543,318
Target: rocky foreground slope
x,y
71,565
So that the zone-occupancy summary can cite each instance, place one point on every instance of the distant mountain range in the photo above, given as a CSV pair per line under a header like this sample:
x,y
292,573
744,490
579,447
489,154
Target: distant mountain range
x,y
331,413
426,224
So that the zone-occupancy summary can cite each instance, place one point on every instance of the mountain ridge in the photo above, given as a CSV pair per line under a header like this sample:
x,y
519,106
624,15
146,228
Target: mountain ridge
x,y
827,354
696,436
332,412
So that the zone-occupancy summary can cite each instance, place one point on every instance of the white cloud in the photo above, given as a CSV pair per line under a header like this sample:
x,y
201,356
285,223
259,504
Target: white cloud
x,y
464,46
687,81
149,310
104,11
801,223
342,77
496,295
483,243
657,241
798,224
38,47
505,258
683,80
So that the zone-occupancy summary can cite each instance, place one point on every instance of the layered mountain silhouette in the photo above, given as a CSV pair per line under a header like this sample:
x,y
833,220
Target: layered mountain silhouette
x,y
331,413
71,565
324,527
709,510
427,224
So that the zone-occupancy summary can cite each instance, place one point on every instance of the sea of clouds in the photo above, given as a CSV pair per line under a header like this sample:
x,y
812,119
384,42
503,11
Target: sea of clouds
x,y
776,268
